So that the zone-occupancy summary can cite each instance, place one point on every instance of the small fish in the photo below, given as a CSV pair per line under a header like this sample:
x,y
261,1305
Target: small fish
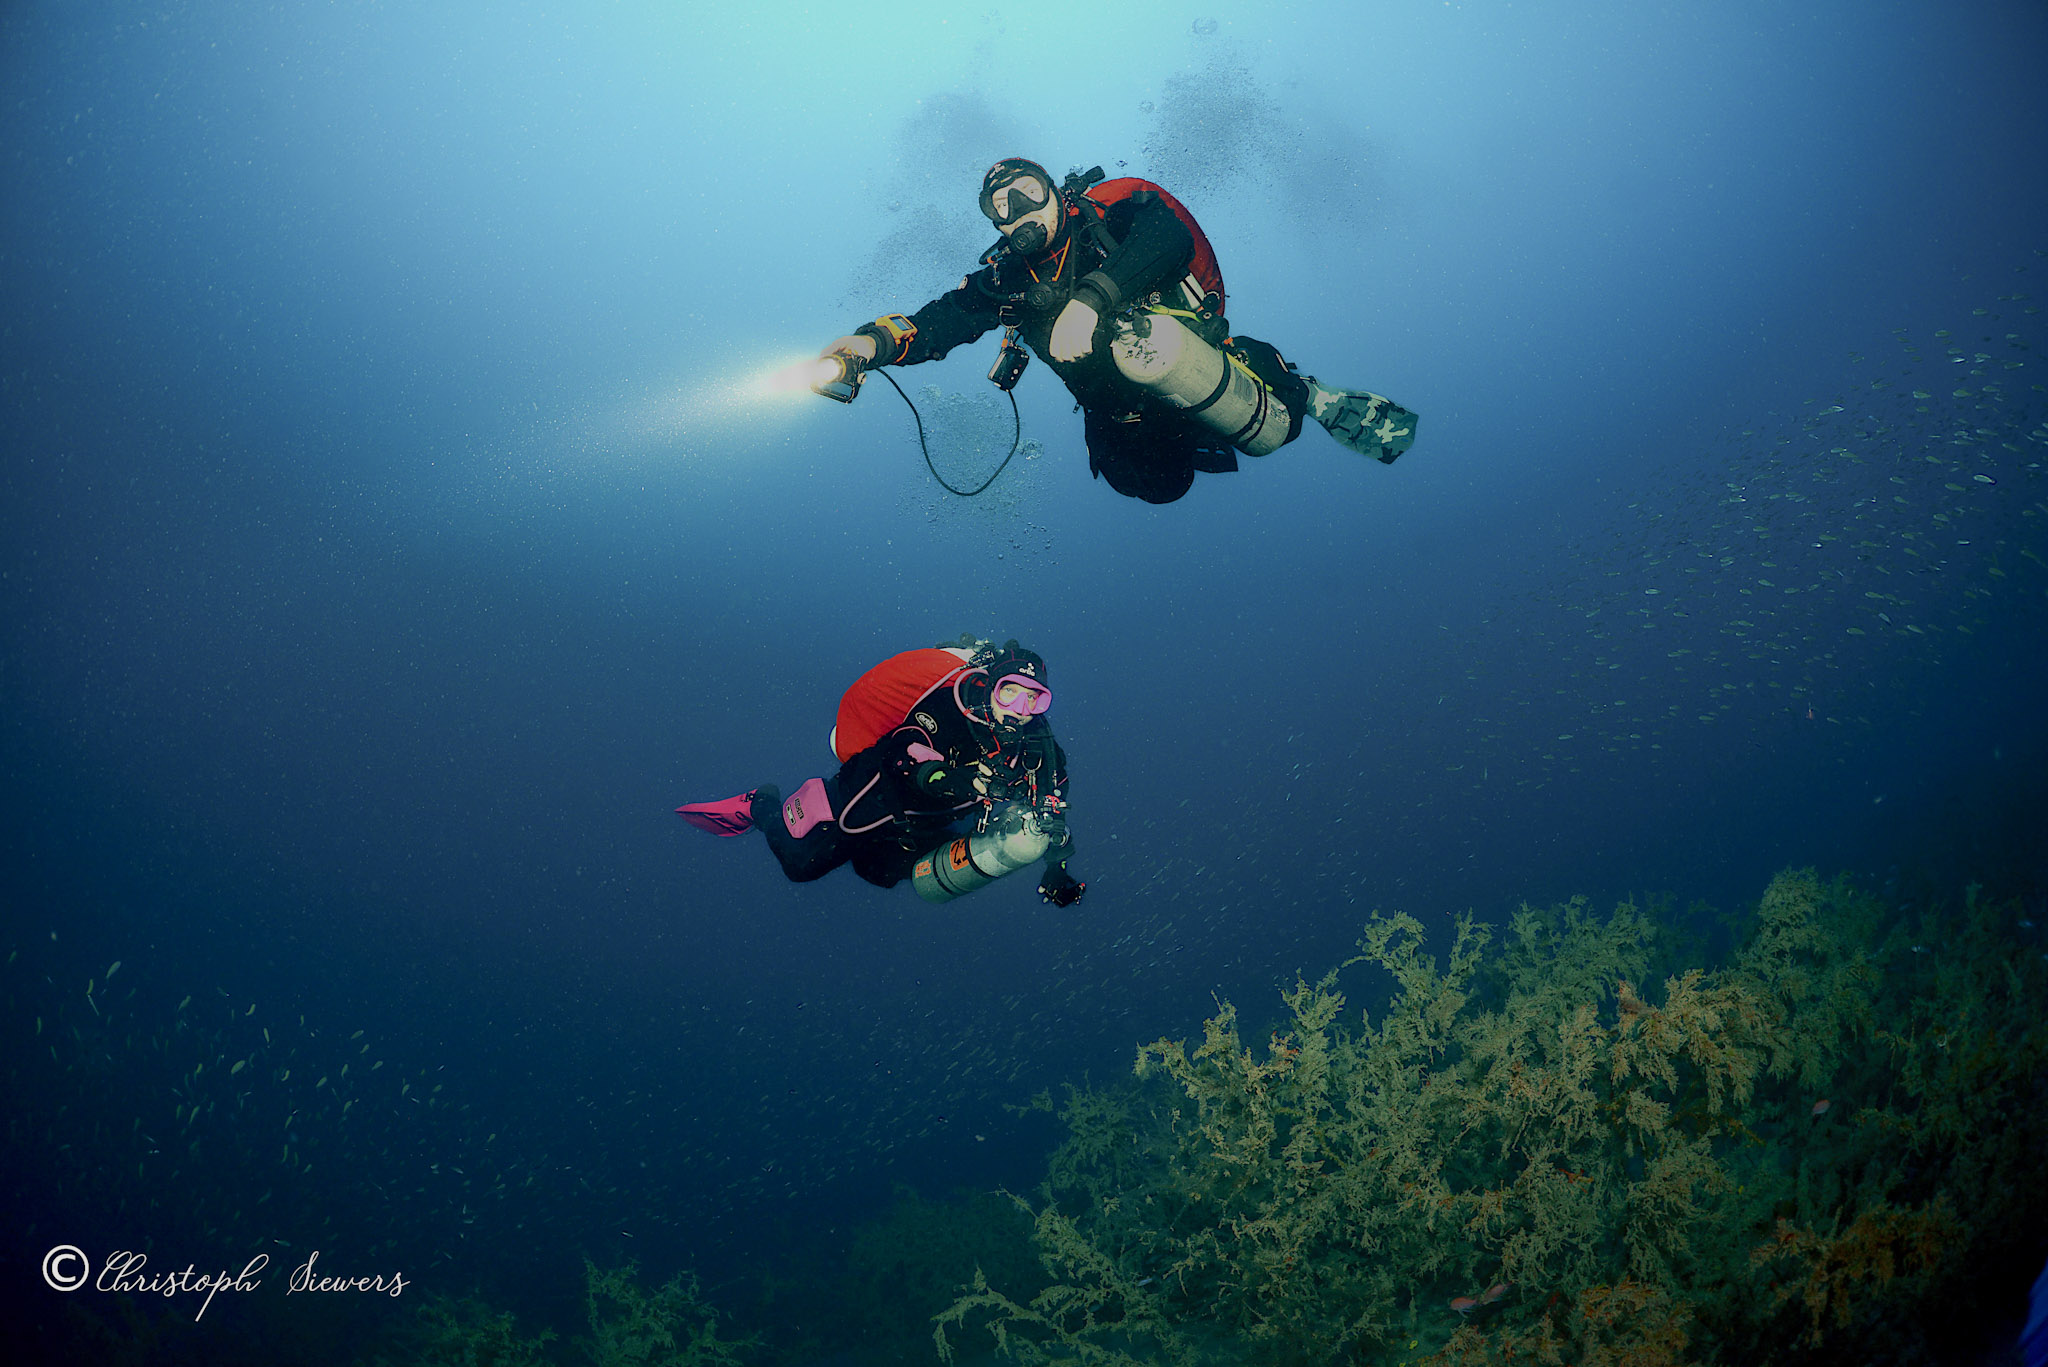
x,y
1495,1292
185,1003
1464,1305
112,971
1820,1108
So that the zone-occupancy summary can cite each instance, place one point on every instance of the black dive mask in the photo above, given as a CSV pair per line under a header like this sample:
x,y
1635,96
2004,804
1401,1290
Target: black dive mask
x,y
1029,189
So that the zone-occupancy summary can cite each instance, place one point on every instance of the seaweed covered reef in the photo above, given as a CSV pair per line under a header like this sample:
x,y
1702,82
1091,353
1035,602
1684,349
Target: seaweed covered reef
x,y
905,1266
630,1326
1534,1156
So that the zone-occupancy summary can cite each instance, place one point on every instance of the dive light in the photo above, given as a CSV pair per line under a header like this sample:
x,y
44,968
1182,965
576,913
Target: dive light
x,y
839,376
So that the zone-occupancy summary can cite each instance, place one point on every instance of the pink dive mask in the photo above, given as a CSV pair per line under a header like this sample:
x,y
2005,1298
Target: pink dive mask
x,y
1020,693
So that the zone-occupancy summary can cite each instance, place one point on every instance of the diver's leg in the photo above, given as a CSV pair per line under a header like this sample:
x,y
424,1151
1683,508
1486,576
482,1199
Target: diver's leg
x,y
1289,389
1136,460
886,860
805,839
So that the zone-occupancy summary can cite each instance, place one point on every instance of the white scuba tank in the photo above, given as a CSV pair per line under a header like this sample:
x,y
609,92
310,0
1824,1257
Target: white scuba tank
x,y
1157,352
1010,841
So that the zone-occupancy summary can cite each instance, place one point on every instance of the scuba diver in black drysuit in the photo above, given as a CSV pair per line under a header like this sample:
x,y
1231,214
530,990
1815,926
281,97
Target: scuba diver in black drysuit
x,y
1116,288
928,741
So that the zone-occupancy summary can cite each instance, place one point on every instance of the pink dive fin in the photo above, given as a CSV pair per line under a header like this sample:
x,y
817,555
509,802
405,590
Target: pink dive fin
x,y
729,816
806,807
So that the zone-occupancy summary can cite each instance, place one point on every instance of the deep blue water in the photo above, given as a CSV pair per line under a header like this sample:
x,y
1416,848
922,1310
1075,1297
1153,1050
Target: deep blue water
x,y
394,534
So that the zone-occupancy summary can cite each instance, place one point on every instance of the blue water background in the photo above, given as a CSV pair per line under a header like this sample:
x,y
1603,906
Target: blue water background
x,y
393,532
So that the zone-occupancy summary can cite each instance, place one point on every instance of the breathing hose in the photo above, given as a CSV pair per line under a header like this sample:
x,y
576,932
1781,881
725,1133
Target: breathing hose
x,y
1016,439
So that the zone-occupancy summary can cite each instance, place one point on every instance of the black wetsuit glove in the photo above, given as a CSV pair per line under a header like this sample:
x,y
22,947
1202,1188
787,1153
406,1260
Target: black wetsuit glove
x,y
1059,887
942,782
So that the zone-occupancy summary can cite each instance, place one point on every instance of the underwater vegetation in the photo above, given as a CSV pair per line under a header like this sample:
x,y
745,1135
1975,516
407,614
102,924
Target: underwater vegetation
x,y
906,1265
629,1327
871,1302
1569,1140
1538,1152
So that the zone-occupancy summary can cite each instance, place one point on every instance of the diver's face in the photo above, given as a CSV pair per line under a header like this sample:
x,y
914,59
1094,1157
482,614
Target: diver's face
x,y
1009,204
1027,212
1015,701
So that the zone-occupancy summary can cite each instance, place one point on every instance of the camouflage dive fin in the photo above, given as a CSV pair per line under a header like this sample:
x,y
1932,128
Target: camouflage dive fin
x,y
1370,424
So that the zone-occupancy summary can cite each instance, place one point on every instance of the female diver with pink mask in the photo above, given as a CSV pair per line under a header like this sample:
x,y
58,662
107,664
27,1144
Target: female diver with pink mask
x,y
949,776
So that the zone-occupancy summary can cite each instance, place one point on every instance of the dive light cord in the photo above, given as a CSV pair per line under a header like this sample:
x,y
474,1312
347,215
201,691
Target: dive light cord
x,y
1016,439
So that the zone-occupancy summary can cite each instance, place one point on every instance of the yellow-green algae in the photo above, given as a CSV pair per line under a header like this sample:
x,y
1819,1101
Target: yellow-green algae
x,y
1595,1170
629,1327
